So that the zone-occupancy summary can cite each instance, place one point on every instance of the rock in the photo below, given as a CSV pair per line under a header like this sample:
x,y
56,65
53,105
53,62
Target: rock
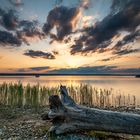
x,y
1,132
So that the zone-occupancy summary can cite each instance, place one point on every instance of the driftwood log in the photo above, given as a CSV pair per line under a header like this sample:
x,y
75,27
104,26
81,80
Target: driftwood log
x,y
67,116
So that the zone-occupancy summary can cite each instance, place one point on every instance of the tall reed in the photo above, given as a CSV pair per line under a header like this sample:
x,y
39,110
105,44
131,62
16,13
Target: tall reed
x,y
16,94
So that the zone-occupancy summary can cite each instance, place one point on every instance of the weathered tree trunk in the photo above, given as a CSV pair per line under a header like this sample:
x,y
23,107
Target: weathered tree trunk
x,y
67,116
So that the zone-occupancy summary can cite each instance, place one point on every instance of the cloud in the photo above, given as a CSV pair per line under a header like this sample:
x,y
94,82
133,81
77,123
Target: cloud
x,y
128,39
29,31
2,12
16,3
84,4
129,71
109,59
40,68
125,51
7,38
80,70
97,70
39,54
119,52
64,19
98,37
9,19
31,69
25,30
85,70
118,5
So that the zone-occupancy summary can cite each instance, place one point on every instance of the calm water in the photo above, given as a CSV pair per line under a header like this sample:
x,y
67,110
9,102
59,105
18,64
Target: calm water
x,y
123,85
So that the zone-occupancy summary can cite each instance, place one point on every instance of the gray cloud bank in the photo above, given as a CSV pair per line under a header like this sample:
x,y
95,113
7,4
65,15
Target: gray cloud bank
x,y
39,54
83,70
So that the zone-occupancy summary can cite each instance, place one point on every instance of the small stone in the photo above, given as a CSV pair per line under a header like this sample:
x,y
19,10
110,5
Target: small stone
x,y
1,132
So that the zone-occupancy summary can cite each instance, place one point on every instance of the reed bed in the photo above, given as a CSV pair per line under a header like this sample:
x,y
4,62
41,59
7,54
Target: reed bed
x,y
17,94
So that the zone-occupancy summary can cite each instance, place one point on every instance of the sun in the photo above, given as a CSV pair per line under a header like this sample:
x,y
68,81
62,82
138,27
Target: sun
x,y
72,65
73,62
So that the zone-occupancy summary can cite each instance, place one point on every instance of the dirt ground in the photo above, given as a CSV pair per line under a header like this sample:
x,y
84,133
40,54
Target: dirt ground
x,y
26,123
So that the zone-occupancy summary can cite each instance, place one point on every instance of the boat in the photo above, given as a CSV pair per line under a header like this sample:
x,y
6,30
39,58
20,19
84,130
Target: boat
x,y
37,75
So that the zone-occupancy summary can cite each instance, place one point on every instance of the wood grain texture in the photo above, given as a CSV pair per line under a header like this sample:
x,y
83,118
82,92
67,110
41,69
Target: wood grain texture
x,y
67,116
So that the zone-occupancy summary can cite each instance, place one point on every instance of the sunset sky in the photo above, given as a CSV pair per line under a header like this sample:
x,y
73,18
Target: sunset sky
x,y
70,36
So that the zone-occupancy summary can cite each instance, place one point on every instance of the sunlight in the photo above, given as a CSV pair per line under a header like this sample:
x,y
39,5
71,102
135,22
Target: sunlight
x,y
72,63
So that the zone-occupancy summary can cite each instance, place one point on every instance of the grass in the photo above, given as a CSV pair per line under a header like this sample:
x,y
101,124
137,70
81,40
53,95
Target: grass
x,y
17,94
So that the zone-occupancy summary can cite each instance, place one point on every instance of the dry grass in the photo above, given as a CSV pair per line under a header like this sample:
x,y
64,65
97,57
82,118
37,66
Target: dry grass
x,y
19,95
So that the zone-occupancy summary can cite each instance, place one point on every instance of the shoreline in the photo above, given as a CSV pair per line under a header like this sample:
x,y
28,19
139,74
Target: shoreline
x,y
57,74
26,123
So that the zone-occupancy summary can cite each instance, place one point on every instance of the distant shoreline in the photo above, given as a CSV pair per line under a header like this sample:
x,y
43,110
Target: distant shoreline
x,y
56,74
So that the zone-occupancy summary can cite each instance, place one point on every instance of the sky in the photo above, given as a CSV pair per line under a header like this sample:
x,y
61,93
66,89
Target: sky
x,y
74,37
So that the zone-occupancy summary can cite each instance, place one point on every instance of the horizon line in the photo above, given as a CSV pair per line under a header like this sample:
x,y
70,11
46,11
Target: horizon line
x,y
67,74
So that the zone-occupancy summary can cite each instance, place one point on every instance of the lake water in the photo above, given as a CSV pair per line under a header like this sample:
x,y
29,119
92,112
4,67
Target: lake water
x,y
124,85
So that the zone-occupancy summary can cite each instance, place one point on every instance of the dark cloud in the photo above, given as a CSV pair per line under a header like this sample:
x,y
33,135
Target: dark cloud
x,y
125,51
85,70
61,17
98,37
107,59
2,12
118,5
20,70
39,54
7,38
31,69
120,52
82,70
9,19
25,24
128,39
24,30
129,71
110,58
40,68
29,29
97,70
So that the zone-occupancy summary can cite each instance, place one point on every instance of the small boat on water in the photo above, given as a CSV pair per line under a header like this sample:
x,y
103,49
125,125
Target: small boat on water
x,y
37,75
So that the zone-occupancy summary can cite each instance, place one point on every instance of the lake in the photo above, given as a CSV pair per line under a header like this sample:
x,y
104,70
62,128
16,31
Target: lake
x,y
127,86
